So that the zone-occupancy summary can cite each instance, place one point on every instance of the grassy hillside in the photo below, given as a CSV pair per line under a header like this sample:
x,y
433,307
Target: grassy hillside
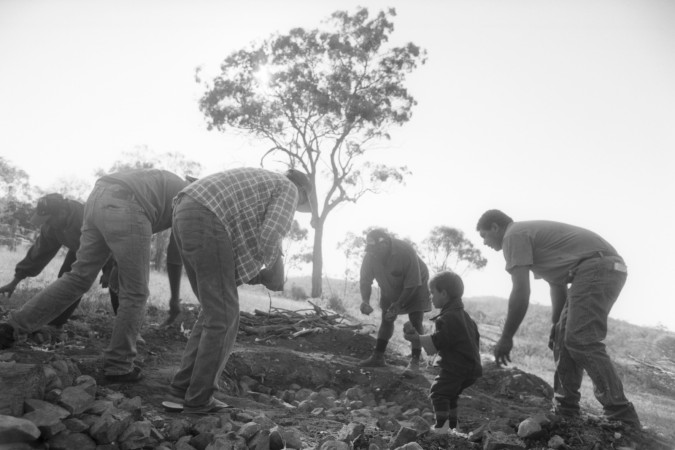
x,y
645,357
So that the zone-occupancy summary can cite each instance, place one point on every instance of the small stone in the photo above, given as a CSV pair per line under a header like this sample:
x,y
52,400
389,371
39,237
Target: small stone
x,y
528,427
556,442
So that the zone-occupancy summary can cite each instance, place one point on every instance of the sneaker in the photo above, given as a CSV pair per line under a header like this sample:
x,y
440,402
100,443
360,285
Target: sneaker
x,y
135,375
216,407
445,429
6,335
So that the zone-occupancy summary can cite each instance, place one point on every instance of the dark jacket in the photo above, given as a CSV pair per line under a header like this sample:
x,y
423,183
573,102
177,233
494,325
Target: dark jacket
x,y
456,340
50,240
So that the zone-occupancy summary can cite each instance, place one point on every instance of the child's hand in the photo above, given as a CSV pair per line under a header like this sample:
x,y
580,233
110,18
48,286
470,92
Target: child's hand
x,y
410,333
408,328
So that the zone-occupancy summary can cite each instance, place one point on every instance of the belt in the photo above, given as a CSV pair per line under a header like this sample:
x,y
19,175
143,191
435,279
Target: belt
x,y
597,254
593,255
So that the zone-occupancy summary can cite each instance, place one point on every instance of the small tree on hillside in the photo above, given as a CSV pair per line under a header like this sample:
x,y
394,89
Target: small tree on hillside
x,y
446,248
321,99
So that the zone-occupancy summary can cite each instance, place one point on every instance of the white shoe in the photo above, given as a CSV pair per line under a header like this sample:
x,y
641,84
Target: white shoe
x,y
445,429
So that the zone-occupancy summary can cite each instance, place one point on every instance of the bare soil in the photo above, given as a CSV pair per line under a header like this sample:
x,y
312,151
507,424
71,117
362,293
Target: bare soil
x,y
503,397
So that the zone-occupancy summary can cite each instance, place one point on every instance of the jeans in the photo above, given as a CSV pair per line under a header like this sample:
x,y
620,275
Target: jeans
x,y
110,225
209,263
578,345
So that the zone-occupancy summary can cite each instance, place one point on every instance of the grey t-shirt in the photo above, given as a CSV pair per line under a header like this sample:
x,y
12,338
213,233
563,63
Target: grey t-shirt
x,y
550,249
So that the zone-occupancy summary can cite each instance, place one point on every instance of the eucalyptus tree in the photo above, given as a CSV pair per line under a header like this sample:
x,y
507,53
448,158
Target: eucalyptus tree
x,y
321,99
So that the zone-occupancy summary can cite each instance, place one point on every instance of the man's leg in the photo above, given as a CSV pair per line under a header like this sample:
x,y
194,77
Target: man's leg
x,y
207,250
53,300
385,332
591,297
568,374
417,320
65,267
128,233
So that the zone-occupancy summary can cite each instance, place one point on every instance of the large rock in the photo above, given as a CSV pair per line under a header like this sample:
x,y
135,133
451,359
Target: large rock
x,y
34,404
16,430
48,423
19,382
76,399
73,441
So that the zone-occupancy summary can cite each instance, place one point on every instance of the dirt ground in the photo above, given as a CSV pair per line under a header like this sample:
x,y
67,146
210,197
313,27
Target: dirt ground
x,y
501,398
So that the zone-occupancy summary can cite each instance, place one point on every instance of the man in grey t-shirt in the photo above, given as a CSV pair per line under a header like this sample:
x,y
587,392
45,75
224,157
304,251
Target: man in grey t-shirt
x,y
586,275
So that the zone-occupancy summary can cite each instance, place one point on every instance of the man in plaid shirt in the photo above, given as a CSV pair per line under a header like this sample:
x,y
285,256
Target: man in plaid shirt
x,y
229,227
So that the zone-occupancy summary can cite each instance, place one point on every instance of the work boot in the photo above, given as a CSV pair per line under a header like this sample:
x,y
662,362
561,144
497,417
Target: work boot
x,y
375,360
413,368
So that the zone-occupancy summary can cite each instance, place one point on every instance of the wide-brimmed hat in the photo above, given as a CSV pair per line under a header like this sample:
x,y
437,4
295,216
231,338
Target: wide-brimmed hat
x,y
301,180
47,206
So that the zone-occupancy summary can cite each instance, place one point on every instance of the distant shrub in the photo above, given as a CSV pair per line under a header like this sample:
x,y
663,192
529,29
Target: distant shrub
x,y
298,293
336,303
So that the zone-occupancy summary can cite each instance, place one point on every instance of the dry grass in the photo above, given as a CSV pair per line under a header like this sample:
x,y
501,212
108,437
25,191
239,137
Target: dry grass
x,y
654,403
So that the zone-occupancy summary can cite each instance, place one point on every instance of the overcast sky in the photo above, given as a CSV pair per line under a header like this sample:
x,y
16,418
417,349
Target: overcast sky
x,y
560,110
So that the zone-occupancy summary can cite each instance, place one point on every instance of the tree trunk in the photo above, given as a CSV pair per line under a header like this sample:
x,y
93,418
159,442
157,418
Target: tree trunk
x,y
317,261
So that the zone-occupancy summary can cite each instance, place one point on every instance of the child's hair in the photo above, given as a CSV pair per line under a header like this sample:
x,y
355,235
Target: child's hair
x,y
449,282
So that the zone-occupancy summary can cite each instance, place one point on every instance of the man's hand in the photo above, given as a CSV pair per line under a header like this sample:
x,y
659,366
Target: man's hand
x,y
366,308
551,338
8,289
392,312
502,351
174,312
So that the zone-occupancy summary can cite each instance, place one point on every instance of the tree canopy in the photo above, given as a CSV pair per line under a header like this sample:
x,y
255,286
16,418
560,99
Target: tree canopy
x,y
321,99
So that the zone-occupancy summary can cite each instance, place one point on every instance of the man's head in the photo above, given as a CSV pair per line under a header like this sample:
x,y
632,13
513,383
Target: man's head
x,y
446,287
378,243
492,226
48,208
304,186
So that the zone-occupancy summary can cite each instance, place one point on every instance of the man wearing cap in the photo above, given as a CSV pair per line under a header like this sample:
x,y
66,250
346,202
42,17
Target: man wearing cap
x,y
60,220
229,228
121,214
585,274
403,280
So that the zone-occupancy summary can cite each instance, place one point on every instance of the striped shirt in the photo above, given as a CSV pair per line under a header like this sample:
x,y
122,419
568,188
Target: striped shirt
x,y
256,207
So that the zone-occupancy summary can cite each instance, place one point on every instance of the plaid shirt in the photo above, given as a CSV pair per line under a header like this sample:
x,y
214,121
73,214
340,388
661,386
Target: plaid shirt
x,y
256,207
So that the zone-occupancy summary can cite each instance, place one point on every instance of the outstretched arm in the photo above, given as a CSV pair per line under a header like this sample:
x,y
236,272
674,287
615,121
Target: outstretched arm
x,y
519,300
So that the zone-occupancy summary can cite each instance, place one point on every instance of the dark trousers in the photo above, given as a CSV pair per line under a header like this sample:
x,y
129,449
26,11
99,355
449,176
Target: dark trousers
x,y
446,389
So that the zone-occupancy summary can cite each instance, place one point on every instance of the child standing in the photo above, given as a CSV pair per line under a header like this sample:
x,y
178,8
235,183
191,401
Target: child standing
x,y
456,340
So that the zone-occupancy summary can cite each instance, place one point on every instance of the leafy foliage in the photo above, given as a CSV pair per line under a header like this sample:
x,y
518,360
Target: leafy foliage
x,y
144,158
447,248
14,182
320,99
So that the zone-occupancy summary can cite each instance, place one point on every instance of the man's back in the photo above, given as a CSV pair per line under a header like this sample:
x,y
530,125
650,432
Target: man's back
x,y
550,249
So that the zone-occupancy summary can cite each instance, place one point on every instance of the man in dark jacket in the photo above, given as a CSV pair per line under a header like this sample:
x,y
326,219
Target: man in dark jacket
x,y
60,221
402,277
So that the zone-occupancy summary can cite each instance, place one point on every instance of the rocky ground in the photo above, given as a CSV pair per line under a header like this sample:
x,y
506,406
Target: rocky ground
x,y
294,390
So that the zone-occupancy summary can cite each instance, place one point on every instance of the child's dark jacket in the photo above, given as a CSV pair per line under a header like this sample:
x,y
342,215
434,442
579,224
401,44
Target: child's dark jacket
x,y
456,340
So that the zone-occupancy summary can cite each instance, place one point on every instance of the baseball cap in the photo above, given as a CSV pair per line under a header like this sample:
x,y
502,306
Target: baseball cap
x,y
374,237
46,206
